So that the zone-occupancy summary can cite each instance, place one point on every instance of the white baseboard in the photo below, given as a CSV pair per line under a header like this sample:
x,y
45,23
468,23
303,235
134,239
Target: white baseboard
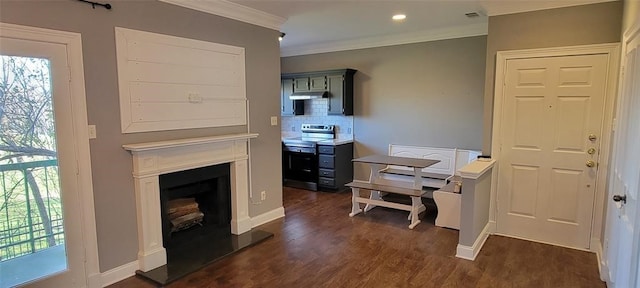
x,y
493,227
94,280
470,252
267,217
596,247
119,273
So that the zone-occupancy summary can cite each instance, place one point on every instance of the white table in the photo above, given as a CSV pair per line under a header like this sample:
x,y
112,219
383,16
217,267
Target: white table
x,y
377,184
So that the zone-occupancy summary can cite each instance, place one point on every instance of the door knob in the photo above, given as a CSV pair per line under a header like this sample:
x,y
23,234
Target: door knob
x,y
592,137
620,198
590,163
591,151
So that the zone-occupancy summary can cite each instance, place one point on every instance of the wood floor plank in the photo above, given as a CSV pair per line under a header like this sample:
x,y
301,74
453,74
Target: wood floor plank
x,y
318,245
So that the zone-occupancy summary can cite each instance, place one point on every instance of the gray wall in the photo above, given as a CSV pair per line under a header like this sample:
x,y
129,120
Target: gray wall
x,y
423,94
111,165
578,25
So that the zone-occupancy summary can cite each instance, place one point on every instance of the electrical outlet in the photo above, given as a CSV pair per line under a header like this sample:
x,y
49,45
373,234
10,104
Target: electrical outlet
x,y
263,195
348,130
274,120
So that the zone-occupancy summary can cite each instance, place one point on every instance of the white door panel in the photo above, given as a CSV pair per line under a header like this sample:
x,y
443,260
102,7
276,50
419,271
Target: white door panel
x,y
551,106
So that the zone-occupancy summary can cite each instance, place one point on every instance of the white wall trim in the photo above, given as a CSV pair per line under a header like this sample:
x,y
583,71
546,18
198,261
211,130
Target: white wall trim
x,y
73,42
232,11
476,169
603,270
492,227
119,273
495,8
613,51
470,252
370,42
267,217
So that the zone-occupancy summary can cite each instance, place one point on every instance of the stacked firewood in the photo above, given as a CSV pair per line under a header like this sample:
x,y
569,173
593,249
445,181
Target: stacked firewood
x,y
184,213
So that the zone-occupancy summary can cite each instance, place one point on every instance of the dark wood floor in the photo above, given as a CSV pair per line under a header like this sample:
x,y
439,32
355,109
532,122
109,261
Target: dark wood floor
x,y
318,245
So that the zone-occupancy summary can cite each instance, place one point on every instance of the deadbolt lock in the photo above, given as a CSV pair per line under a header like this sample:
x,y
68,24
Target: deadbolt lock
x,y
590,163
592,137
591,151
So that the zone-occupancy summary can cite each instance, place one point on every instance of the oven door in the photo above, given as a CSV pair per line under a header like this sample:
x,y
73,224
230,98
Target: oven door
x,y
300,168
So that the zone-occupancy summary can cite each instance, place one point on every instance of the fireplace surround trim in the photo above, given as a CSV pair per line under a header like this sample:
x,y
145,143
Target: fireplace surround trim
x,y
152,159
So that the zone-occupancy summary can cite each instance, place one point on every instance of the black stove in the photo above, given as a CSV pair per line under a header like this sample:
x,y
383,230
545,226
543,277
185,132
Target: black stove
x,y
300,156
311,134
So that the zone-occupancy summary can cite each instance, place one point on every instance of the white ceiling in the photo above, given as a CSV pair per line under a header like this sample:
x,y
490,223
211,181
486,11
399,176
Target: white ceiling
x,y
316,26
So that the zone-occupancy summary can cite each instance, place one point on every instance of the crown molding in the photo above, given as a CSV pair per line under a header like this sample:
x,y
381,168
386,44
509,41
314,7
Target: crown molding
x,y
497,8
381,41
232,11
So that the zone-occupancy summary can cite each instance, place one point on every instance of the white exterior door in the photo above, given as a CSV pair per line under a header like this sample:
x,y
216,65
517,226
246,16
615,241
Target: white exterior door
x,y
622,235
551,129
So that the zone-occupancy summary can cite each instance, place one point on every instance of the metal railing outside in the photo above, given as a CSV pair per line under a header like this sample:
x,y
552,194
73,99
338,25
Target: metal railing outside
x,y
24,228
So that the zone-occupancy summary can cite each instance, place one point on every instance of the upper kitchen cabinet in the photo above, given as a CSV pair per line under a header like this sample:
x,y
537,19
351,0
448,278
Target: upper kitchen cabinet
x,y
289,107
340,88
337,83
316,83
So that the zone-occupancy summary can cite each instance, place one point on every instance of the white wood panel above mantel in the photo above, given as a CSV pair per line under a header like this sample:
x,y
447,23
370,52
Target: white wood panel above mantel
x,y
168,83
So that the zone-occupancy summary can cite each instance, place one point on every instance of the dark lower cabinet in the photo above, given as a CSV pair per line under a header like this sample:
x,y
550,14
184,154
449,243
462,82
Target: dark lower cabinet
x,y
335,166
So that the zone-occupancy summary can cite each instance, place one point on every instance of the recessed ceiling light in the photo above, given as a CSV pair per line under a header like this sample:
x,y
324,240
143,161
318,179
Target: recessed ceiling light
x,y
399,17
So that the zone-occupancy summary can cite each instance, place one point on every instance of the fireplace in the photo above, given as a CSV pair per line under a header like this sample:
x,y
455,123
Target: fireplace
x,y
152,159
204,192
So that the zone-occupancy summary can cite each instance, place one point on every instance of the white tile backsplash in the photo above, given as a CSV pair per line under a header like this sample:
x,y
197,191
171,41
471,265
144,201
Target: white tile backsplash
x,y
315,112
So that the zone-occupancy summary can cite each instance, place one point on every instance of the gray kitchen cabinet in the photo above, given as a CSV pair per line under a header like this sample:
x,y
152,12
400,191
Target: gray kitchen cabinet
x,y
301,84
310,83
337,83
334,166
318,83
340,87
289,107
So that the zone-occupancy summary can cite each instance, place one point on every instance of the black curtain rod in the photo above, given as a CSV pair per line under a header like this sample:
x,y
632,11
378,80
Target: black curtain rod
x,y
93,4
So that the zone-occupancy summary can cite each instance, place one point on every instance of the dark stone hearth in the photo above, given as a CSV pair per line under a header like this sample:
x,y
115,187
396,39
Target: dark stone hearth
x,y
206,247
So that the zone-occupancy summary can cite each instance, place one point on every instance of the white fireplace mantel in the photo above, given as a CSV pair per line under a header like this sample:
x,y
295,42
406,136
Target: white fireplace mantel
x,y
152,159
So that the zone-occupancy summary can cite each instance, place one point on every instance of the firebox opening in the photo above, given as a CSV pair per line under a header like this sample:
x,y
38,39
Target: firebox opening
x,y
209,188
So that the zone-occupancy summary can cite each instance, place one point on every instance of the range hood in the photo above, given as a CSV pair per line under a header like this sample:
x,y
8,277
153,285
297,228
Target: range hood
x,y
308,95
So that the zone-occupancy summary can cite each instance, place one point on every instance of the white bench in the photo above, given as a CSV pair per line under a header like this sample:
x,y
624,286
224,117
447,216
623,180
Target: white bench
x,y
448,203
414,209
435,176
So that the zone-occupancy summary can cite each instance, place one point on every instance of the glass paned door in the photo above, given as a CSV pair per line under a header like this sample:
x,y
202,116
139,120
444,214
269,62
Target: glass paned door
x,y
31,216
40,213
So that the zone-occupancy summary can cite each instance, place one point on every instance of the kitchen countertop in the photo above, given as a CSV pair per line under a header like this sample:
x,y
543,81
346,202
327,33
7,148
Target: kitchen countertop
x,y
334,142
